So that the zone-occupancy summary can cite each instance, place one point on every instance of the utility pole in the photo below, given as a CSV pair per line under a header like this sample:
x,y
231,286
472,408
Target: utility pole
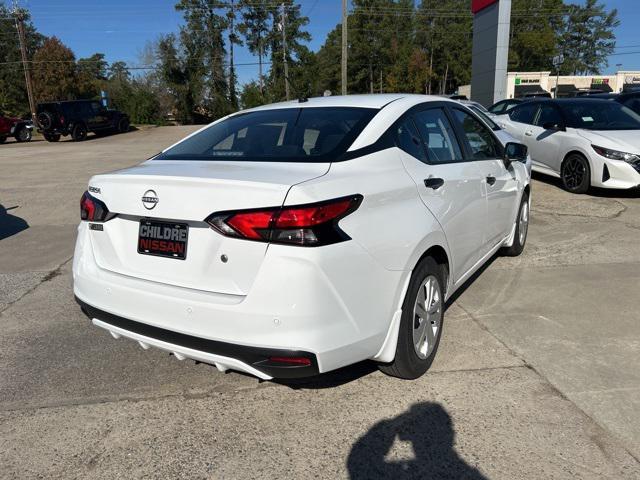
x,y
284,51
19,16
232,69
344,47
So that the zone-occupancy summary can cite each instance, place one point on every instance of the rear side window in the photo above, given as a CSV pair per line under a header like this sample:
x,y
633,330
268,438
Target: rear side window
x,y
437,134
523,113
313,134
408,139
483,144
549,114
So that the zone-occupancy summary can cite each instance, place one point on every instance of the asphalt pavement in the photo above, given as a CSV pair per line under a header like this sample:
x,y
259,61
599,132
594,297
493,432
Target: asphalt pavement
x,y
537,376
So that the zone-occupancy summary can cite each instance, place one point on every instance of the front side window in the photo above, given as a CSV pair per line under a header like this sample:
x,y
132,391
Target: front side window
x,y
483,144
312,134
523,113
485,118
408,139
438,136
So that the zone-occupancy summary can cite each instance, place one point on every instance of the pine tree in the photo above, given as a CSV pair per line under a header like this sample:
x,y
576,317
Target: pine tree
x,y
255,28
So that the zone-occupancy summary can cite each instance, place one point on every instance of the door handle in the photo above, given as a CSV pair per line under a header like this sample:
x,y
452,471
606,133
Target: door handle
x,y
433,182
528,133
491,179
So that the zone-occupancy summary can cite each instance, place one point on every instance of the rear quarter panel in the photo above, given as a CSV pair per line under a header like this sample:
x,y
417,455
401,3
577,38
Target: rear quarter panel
x,y
392,224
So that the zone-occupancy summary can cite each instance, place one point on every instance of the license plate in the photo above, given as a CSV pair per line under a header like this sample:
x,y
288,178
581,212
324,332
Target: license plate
x,y
163,239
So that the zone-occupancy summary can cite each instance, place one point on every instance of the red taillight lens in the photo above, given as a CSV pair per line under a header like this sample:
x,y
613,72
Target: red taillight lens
x,y
251,225
305,225
93,210
310,216
62,119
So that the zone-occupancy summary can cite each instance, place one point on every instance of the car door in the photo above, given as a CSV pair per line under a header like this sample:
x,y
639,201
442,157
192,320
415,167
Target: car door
x,y
100,119
520,118
546,137
448,184
499,181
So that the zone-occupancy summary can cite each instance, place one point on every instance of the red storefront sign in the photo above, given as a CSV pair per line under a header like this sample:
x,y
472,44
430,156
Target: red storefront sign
x,y
477,5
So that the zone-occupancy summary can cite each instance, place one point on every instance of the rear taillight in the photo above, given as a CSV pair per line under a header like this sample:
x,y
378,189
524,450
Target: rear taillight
x,y
305,225
93,210
61,119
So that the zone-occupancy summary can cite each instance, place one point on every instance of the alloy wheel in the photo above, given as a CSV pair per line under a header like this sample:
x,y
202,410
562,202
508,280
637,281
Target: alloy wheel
x,y
574,172
427,317
523,222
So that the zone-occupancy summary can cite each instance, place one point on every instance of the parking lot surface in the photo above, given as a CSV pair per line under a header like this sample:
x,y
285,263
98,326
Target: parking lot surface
x,y
537,376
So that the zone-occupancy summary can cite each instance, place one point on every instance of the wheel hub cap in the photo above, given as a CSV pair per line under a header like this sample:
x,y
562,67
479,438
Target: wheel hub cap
x,y
427,317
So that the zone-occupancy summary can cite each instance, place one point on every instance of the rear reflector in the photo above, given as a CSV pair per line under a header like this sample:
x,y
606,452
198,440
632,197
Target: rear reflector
x,y
301,361
304,225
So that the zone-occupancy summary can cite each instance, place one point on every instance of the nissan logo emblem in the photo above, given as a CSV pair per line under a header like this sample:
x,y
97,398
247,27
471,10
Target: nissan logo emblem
x,y
150,199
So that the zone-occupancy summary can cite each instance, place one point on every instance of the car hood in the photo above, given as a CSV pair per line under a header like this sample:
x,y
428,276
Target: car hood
x,y
622,140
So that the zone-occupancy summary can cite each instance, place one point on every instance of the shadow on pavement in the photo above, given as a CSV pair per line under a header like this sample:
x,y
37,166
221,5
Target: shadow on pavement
x,y
10,224
429,429
331,379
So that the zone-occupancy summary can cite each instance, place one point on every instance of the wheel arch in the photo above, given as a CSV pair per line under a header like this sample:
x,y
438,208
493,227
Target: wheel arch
x,y
439,253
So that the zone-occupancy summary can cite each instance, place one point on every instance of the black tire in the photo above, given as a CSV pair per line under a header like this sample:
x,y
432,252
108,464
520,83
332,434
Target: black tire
x,y
123,125
23,135
79,132
407,364
51,137
3,139
576,174
45,120
522,226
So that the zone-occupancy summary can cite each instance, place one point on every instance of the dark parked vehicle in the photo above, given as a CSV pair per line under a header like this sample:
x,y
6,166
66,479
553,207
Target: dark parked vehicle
x,y
14,127
628,99
77,118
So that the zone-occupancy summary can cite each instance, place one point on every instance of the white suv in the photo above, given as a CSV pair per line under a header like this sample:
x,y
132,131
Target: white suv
x,y
297,238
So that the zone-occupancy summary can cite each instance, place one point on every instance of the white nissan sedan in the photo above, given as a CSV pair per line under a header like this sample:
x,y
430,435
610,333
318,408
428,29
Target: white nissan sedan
x,y
585,141
297,238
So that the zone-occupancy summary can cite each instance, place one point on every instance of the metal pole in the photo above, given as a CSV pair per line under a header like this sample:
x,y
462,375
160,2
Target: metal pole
x,y
344,47
284,52
23,51
555,95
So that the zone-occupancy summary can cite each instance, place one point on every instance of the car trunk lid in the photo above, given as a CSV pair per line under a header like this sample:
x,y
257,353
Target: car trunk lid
x,y
187,193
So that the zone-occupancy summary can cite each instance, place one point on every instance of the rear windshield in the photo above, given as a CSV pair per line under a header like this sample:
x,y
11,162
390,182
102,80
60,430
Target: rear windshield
x,y
600,115
313,134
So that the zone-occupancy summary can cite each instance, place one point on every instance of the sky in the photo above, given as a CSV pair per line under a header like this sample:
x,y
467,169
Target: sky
x,y
121,28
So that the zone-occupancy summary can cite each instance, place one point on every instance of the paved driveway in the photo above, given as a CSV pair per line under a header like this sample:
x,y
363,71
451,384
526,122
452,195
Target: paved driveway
x,y
538,374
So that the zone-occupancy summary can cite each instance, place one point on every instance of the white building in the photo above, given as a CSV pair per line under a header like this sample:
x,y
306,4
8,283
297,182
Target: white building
x,y
520,84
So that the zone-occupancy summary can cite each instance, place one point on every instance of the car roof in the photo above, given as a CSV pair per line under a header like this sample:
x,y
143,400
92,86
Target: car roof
x,y
375,100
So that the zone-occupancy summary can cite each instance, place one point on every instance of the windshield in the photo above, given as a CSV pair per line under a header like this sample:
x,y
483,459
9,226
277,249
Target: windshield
x,y
313,134
600,115
485,118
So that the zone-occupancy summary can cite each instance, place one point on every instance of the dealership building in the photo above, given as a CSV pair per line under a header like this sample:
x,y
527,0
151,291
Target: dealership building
x,y
520,84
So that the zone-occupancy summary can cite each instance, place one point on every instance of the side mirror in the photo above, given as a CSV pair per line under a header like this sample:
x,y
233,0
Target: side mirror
x,y
515,152
553,126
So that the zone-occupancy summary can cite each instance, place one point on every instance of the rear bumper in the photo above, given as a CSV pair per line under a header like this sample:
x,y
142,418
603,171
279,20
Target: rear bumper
x,y
302,301
225,356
